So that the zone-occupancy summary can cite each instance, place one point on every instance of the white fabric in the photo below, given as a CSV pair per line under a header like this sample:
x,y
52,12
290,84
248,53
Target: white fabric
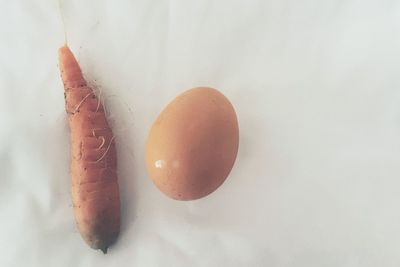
x,y
316,89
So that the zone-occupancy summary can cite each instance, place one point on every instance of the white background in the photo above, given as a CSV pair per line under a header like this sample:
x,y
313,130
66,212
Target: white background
x,y
316,87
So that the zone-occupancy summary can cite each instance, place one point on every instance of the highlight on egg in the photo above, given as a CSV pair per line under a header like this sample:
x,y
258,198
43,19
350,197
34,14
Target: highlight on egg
x,y
192,145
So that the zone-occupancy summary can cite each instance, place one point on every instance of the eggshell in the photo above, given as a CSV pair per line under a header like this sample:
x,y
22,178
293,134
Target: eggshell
x,y
193,143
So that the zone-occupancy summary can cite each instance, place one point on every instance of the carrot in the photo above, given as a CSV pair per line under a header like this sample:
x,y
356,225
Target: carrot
x,y
95,192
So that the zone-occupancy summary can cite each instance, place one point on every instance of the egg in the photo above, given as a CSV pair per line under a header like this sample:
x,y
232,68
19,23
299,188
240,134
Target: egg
x,y
193,143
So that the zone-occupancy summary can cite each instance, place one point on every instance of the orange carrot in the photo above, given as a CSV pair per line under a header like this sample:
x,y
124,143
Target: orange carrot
x,y
95,192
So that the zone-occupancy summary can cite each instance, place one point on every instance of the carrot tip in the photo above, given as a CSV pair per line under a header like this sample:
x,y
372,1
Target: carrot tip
x,y
104,250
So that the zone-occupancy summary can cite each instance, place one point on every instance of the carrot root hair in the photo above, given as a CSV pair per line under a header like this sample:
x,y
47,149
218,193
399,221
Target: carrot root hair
x,y
82,101
108,148
63,22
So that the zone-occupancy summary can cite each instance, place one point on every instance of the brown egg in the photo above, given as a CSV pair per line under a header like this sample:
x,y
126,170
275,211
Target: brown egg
x,y
192,145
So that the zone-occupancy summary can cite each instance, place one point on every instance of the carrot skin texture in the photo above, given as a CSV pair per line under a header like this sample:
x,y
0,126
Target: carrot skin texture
x,y
95,191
